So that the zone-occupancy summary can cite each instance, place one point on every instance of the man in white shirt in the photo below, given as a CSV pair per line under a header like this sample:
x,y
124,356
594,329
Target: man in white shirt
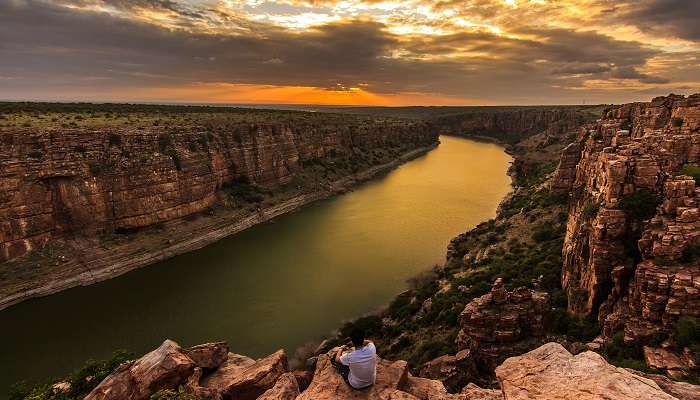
x,y
357,366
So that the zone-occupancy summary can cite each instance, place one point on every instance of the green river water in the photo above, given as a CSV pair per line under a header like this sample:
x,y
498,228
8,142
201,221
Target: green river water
x,y
276,285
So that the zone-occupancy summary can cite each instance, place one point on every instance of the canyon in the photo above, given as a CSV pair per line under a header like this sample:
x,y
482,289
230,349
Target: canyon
x,y
79,196
587,273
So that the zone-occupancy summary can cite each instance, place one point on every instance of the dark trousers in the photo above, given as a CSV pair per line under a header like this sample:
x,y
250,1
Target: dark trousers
x,y
343,370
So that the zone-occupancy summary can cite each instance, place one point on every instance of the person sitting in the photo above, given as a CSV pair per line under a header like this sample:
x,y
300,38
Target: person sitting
x,y
357,366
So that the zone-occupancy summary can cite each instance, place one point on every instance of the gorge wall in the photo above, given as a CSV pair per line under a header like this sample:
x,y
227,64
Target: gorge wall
x,y
630,251
56,183
512,125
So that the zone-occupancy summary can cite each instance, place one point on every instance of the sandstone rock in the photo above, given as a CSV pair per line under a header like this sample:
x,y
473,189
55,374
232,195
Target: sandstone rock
x,y
680,390
500,324
473,392
425,389
454,371
209,355
634,146
286,388
303,378
240,379
328,384
107,187
552,373
663,360
164,368
192,387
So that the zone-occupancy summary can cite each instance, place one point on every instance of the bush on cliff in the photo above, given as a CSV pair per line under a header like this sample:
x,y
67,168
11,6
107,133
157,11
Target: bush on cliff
x,y
692,170
81,381
686,333
624,355
640,205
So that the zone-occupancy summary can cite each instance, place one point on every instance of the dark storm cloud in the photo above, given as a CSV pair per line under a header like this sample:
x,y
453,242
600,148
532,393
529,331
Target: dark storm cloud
x,y
680,18
53,47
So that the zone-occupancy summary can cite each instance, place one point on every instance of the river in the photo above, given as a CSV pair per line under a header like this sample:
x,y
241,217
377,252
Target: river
x,y
276,285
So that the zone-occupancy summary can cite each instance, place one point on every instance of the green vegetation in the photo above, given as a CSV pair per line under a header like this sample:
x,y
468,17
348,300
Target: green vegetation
x,y
624,355
692,170
640,205
590,210
172,395
686,333
87,115
677,122
81,381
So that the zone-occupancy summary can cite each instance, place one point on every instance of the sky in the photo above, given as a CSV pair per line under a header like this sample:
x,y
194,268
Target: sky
x,y
349,52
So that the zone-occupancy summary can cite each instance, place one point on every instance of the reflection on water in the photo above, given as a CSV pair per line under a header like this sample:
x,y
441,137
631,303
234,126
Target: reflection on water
x,y
276,285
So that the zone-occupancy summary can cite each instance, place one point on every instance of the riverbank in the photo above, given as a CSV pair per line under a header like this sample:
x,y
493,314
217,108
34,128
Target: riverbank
x,y
94,263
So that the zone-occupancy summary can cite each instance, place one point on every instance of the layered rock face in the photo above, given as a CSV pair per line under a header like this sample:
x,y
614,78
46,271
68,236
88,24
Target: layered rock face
x,y
62,182
514,124
503,323
633,218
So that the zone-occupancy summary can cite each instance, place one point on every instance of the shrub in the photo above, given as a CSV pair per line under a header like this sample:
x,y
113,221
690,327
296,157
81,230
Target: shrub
x,y
690,254
692,170
165,141
640,205
686,332
590,210
114,139
543,232
566,324
170,394
621,354
677,122
81,381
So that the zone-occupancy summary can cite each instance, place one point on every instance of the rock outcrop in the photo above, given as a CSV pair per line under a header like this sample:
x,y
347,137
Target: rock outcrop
x,y
165,367
633,224
512,125
503,323
552,373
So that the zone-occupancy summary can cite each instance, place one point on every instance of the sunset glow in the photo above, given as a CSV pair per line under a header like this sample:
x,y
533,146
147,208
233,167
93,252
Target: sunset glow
x,y
349,51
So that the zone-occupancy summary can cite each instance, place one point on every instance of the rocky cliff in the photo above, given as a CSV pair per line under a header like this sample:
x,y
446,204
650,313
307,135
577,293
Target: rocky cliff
x,y
96,201
76,181
633,217
511,125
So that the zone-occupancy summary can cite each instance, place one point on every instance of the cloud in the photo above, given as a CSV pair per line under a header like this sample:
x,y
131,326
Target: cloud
x,y
132,45
680,18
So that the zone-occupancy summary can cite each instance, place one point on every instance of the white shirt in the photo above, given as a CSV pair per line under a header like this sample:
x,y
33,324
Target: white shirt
x,y
363,366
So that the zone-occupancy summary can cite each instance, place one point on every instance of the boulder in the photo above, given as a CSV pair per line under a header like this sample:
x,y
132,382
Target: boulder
x,y
664,360
209,355
473,392
552,373
240,379
163,368
328,384
454,371
425,389
286,388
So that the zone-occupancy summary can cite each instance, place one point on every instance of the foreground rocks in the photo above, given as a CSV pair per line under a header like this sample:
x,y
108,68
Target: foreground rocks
x,y
552,373
165,367
548,372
